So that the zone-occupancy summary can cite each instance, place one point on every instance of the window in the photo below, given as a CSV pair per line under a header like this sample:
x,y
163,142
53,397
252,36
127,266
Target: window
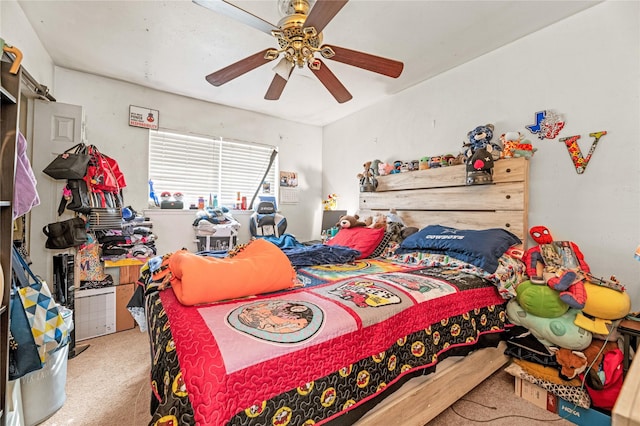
x,y
209,166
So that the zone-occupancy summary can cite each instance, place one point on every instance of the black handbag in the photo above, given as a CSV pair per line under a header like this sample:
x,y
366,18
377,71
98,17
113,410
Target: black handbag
x,y
66,234
71,164
80,198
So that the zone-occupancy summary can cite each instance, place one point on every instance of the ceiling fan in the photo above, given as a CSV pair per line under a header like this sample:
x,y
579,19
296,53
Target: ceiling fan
x,y
299,36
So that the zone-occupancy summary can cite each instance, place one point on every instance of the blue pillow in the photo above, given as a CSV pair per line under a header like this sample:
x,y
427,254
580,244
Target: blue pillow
x,y
481,248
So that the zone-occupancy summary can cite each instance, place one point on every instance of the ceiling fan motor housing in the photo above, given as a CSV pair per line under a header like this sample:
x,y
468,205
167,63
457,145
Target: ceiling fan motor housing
x,y
297,42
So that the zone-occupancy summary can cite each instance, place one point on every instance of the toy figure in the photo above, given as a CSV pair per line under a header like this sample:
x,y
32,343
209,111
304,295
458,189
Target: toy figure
x,y
558,264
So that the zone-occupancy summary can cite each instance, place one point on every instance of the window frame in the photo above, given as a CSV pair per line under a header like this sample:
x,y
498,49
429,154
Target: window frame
x,y
240,167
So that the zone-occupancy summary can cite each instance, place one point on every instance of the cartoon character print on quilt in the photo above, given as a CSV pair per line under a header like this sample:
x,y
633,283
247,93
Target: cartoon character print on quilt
x,y
339,391
322,274
167,385
280,327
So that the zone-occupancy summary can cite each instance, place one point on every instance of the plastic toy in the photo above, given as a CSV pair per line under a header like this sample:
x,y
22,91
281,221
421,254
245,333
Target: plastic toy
x,y
558,264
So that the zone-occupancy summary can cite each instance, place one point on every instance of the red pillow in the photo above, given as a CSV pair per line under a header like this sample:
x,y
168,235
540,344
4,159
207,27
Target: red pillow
x,y
365,240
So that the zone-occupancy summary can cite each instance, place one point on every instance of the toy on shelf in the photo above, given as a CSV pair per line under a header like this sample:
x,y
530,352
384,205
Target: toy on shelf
x,y
384,169
480,154
153,199
515,145
368,182
480,137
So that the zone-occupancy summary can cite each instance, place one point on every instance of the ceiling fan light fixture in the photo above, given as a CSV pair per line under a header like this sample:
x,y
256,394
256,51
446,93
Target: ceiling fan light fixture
x,y
315,64
271,54
283,68
327,52
309,32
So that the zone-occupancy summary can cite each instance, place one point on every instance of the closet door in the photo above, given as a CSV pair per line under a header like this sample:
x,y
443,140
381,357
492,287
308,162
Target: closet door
x,y
56,128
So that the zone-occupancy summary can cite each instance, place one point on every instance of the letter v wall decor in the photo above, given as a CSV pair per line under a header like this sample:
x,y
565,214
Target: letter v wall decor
x,y
575,153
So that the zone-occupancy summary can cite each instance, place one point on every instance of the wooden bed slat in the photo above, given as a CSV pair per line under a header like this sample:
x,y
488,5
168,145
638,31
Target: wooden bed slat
x,y
425,401
507,196
507,170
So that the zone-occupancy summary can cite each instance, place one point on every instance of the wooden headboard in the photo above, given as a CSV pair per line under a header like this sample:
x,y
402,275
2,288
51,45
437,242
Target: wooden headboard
x,y
440,197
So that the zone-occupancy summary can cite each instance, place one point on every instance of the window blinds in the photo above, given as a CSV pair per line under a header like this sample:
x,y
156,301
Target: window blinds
x,y
207,166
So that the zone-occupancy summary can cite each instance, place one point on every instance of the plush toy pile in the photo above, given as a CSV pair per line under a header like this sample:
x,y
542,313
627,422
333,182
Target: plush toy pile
x,y
570,316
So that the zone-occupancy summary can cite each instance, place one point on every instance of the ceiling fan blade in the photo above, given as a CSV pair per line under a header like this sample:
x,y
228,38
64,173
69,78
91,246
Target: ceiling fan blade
x,y
276,87
234,12
236,69
323,12
330,81
373,63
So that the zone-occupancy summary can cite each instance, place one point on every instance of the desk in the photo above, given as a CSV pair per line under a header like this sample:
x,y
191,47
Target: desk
x,y
629,329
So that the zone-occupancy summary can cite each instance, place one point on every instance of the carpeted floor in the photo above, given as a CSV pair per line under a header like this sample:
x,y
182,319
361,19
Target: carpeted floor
x,y
107,384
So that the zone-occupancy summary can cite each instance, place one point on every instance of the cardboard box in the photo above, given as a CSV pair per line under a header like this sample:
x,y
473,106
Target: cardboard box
x,y
536,395
581,416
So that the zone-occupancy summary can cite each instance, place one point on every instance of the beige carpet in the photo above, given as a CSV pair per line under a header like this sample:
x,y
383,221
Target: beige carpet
x,y
107,384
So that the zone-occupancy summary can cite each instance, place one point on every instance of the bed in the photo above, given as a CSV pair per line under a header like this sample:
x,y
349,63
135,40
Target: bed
x,y
359,342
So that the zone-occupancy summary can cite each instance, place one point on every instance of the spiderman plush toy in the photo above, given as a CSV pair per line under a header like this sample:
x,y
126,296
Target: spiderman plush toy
x,y
558,264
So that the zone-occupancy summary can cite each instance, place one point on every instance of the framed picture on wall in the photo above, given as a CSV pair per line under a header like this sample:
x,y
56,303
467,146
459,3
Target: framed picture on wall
x,y
288,179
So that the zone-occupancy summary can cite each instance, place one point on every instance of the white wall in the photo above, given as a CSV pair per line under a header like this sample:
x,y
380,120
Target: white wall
x,y
587,68
106,104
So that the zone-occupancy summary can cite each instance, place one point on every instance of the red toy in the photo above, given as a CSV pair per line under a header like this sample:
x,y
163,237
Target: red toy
x,y
559,264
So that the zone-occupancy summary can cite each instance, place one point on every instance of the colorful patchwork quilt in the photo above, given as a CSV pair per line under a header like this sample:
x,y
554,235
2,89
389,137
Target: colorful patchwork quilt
x,y
309,355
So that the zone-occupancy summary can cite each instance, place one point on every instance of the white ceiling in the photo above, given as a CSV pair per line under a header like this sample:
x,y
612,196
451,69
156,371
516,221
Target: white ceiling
x,y
172,45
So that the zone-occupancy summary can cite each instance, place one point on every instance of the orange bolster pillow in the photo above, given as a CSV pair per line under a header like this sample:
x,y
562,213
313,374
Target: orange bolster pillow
x,y
261,267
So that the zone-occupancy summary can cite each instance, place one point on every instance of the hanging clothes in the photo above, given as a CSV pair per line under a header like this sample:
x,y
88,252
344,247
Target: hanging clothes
x,y
25,193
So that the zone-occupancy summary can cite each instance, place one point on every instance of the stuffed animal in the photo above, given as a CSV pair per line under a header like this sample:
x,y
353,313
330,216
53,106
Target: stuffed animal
x,y
348,221
558,264
384,169
514,145
480,166
366,174
368,182
378,221
573,363
480,137
375,167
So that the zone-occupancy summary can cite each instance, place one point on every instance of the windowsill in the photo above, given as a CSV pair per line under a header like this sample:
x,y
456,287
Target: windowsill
x,y
192,211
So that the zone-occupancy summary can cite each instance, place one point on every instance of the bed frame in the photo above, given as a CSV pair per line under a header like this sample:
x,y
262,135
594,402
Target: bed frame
x,y
440,196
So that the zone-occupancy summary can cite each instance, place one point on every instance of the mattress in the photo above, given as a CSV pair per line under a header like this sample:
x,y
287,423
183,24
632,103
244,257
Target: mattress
x,y
316,354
